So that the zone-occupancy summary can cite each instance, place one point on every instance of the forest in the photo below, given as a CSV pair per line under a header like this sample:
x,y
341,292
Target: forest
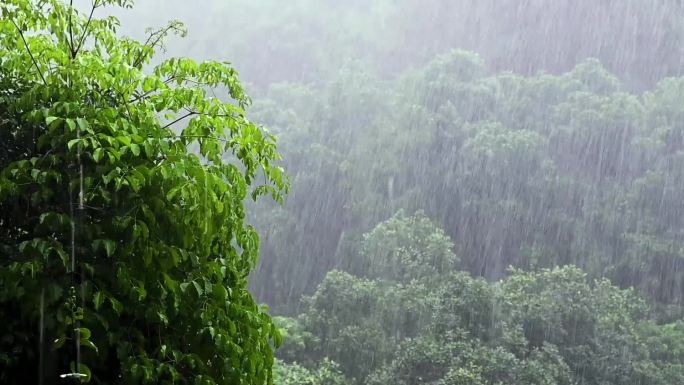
x,y
312,192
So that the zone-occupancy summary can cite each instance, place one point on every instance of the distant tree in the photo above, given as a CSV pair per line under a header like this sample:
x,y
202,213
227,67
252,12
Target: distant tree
x,y
326,373
124,253
530,171
404,247
546,327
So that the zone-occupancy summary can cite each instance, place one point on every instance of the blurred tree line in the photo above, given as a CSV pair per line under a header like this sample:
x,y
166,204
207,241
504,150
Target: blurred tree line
x,y
530,153
534,232
411,318
533,172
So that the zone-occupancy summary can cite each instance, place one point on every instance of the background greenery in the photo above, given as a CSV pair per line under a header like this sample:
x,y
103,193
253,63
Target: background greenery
x,y
533,171
483,192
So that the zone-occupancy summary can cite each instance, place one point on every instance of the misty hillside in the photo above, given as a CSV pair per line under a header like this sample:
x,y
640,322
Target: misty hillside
x,y
441,192
309,40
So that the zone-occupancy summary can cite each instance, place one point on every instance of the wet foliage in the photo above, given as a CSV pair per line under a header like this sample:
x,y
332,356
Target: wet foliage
x,y
532,172
550,326
124,250
480,192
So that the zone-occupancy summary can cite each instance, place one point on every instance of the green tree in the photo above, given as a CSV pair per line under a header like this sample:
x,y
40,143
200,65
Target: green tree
x,y
530,171
404,248
423,325
326,373
124,247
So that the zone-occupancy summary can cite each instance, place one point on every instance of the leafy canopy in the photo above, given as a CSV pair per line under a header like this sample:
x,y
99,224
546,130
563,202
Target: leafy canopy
x,y
122,189
549,326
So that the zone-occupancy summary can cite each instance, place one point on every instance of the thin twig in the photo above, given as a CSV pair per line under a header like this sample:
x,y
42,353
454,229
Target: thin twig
x,y
203,137
159,34
125,104
191,113
145,94
209,114
35,63
139,56
85,30
141,96
71,28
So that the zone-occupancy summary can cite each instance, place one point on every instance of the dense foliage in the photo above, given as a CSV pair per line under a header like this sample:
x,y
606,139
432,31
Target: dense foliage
x,y
547,327
451,222
124,251
570,179
533,172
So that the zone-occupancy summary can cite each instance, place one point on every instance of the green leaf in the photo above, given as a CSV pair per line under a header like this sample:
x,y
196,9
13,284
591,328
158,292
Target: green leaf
x,y
116,305
172,193
184,286
84,332
51,119
83,124
135,149
133,182
110,247
126,141
72,143
88,343
163,318
142,293
198,288
219,292
63,256
148,149
98,299
277,337
97,154
71,124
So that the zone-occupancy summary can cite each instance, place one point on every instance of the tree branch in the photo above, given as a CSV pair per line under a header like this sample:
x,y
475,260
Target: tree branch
x,y
145,94
191,113
71,28
159,35
209,114
85,29
203,137
35,63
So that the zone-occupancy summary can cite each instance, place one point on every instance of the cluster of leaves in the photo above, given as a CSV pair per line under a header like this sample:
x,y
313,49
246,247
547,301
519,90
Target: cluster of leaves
x,y
327,372
527,171
124,250
546,327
